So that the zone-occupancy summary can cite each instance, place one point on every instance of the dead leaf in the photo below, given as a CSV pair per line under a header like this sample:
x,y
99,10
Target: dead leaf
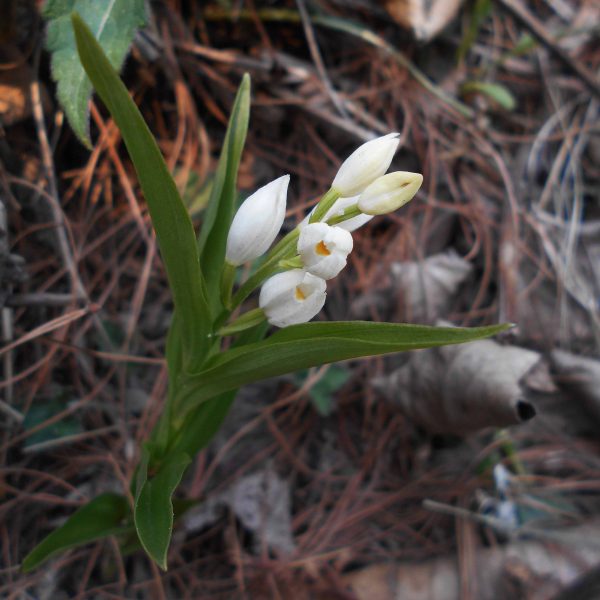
x,y
261,501
580,376
460,389
426,18
15,99
532,570
426,288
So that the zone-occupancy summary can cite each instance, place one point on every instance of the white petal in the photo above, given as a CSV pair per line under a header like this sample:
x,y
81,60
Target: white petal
x,y
257,222
365,164
324,249
292,297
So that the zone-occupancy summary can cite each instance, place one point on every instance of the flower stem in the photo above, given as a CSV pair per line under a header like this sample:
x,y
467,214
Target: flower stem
x,y
248,319
349,213
286,248
327,201
227,277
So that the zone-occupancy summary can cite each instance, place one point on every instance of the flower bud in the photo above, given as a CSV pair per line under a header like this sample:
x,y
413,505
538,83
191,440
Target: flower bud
x,y
365,165
257,222
292,297
389,192
324,249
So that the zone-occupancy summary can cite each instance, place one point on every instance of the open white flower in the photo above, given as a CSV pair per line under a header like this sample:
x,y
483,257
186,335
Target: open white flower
x,y
324,249
365,165
292,297
257,222
390,192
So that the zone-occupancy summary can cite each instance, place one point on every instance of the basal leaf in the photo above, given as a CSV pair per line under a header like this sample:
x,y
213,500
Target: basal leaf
x,y
153,514
311,344
113,23
219,214
170,218
99,518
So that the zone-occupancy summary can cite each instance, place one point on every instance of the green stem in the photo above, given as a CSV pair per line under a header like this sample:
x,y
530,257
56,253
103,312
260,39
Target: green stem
x,y
248,319
291,263
326,202
286,248
227,277
349,213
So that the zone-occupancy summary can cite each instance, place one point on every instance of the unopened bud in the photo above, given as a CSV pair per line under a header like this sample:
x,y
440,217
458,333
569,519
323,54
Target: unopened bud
x,y
257,222
389,192
365,165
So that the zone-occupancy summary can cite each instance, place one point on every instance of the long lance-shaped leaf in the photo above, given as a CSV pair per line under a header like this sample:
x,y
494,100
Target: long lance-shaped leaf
x,y
153,513
170,218
312,344
99,518
217,220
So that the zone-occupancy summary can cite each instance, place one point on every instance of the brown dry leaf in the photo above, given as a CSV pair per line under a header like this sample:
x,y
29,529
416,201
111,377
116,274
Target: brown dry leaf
x,y
460,389
532,570
580,376
427,288
426,18
15,100
262,503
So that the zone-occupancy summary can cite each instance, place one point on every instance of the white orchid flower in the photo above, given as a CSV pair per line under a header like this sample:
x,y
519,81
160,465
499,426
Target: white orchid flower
x,y
257,222
365,165
389,192
292,297
324,249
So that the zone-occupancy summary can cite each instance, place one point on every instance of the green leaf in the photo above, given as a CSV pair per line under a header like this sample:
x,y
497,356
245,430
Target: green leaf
x,y
99,518
42,411
153,514
219,214
311,344
321,393
498,93
170,218
202,423
199,426
479,12
113,22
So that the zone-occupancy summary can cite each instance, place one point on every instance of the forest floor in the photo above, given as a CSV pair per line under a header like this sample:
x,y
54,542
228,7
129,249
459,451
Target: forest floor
x,y
451,474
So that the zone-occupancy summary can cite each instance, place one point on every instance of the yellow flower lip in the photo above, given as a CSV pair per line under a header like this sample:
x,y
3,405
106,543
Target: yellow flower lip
x,y
299,294
322,249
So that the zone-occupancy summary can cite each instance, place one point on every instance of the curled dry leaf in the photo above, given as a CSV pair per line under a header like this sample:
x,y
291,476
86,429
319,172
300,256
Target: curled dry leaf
x,y
580,376
460,389
261,501
426,288
533,569
426,18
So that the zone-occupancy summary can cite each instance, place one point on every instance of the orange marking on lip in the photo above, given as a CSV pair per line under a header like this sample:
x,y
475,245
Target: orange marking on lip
x,y
299,294
322,249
